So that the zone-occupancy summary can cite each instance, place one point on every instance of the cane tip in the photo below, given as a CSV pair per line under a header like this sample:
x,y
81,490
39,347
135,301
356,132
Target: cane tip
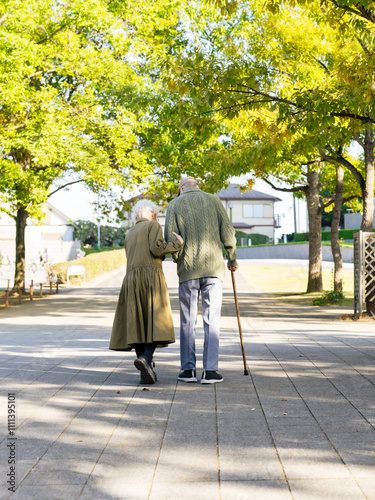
x,y
246,372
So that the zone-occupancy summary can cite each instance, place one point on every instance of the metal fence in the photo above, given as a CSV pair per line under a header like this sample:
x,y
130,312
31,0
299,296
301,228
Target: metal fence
x,y
364,272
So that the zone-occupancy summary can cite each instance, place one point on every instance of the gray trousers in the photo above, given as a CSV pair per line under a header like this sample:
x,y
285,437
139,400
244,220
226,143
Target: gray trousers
x,y
211,291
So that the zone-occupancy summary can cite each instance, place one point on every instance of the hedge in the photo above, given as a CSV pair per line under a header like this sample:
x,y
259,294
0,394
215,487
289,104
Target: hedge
x,y
256,238
344,234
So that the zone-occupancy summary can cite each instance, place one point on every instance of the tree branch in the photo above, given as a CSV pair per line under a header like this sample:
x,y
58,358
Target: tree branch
x,y
6,211
64,186
256,92
324,67
234,106
346,114
286,190
361,12
357,139
49,37
42,72
271,98
365,49
344,200
345,163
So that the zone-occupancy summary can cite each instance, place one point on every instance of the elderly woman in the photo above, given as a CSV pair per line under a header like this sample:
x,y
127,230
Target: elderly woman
x,y
143,319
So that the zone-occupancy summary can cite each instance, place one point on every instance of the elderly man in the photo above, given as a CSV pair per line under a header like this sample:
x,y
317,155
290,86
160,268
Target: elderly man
x,y
203,223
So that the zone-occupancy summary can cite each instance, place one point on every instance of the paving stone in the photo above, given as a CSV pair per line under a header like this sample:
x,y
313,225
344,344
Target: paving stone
x,y
329,489
254,490
250,463
367,485
128,476
312,463
197,489
52,492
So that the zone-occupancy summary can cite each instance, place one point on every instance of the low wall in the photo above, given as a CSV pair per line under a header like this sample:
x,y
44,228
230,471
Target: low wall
x,y
295,252
37,273
56,251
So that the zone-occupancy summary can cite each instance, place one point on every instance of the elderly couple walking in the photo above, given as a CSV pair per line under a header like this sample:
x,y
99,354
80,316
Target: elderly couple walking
x,y
197,226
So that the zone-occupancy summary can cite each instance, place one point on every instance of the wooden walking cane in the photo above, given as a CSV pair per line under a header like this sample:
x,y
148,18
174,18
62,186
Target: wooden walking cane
x,y
245,371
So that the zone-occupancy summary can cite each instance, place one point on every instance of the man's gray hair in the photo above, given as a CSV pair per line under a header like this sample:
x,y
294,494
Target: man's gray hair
x,y
143,205
187,182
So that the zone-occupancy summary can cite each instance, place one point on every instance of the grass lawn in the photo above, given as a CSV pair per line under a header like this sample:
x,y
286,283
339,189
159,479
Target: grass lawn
x,y
290,283
95,265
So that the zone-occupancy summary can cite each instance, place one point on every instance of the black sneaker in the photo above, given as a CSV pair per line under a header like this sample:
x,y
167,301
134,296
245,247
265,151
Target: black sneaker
x,y
188,376
211,377
148,376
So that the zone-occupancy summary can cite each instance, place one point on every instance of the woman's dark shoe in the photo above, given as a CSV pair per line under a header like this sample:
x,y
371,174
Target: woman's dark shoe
x,y
148,376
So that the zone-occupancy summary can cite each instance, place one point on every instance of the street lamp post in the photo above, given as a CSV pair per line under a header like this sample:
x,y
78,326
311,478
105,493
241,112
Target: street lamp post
x,y
230,205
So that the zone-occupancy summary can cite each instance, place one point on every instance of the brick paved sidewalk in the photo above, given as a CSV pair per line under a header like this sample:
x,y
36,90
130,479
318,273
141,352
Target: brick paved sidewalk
x,y
301,426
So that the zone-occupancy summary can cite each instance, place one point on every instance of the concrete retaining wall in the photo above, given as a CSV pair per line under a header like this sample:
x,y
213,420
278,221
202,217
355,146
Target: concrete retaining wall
x,y
290,252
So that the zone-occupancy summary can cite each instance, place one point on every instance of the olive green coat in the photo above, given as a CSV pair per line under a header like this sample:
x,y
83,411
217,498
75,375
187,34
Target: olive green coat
x,y
143,313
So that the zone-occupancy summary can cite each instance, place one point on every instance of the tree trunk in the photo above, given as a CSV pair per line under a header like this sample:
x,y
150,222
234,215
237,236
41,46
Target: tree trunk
x,y
314,209
368,207
335,245
19,277
368,190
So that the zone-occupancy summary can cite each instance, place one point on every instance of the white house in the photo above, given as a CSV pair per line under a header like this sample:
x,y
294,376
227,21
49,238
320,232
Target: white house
x,y
49,240
250,211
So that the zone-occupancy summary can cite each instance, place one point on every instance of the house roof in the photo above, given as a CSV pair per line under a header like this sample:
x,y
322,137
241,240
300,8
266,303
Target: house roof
x,y
64,218
58,212
241,225
232,192
47,208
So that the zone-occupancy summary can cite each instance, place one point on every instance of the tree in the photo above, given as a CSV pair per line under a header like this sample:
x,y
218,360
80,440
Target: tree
x,y
87,233
68,76
350,96
292,64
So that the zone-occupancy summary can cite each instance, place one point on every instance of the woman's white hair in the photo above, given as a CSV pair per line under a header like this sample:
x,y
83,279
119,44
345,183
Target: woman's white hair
x,y
143,205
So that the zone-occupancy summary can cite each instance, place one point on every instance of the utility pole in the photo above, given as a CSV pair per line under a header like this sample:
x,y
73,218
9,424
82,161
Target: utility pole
x,y
295,214
98,219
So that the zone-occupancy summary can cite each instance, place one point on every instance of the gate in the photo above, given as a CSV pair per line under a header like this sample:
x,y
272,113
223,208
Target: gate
x,y
364,272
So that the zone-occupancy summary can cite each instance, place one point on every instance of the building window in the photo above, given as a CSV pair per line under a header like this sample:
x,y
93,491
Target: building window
x,y
258,211
252,211
247,210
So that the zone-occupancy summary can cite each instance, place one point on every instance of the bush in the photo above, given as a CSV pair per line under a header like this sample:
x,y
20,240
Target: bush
x,y
327,298
347,234
256,238
301,237
344,234
290,237
87,233
239,235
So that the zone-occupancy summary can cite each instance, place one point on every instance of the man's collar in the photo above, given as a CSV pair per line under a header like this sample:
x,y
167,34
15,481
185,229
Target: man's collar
x,y
190,189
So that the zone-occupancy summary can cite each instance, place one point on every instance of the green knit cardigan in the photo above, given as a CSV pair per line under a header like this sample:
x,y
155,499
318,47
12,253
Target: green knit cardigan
x,y
203,223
